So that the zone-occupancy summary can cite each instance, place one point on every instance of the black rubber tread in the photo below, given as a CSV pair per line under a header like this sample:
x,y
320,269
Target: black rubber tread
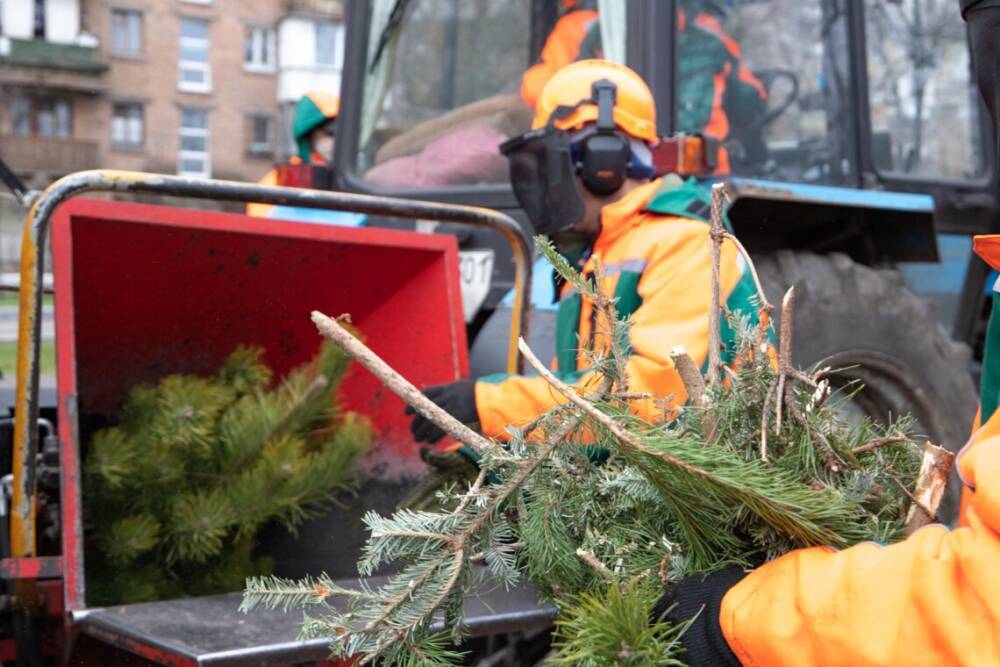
x,y
852,312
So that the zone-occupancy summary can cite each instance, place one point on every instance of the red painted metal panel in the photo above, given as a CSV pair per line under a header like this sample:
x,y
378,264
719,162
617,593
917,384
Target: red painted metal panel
x,y
145,291
46,567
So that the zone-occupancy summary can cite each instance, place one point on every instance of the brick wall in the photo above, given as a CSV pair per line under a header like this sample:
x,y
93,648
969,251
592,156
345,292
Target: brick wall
x,y
151,78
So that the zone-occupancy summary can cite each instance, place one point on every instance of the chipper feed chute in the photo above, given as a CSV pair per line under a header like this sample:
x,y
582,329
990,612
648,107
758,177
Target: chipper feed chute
x,y
146,291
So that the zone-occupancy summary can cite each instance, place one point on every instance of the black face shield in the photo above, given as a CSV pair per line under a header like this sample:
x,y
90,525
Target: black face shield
x,y
543,175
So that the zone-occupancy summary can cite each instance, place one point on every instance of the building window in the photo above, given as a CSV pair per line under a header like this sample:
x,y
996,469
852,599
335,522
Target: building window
x,y
328,44
45,117
260,131
127,125
258,50
38,20
126,32
194,70
20,116
193,157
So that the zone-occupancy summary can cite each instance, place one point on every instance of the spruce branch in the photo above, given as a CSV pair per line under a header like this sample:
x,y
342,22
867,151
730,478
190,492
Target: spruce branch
x,y
402,387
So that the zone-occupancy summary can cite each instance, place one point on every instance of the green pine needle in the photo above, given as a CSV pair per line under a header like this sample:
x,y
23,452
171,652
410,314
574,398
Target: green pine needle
x,y
176,493
112,459
244,370
129,538
613,625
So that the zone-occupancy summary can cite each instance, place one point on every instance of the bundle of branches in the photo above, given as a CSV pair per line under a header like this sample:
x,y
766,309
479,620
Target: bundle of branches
x,y
758,462
176,493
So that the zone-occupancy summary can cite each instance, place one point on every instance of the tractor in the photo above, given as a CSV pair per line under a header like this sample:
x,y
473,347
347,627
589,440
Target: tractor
x,y
846,185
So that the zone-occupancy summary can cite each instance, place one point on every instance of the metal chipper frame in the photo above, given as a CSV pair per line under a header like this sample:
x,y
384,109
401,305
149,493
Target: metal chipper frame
x,y
142,291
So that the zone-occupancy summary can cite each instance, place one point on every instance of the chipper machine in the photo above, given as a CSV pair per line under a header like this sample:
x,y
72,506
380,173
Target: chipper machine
x,y
143,291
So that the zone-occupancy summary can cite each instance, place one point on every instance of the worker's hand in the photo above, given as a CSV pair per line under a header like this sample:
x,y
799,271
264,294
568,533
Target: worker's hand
x,y
457,399
701,595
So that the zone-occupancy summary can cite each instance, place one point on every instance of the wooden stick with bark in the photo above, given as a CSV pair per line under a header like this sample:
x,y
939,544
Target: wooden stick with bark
x,y
399,385
929,488
716,235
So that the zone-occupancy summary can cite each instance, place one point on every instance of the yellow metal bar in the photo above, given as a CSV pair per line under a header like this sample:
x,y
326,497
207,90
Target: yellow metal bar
x,y
522,287
23,506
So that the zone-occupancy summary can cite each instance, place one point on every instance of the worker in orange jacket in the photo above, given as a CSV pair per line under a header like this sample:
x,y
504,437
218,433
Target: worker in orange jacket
x,y
932,599
584,177
563,46
718,96
313,130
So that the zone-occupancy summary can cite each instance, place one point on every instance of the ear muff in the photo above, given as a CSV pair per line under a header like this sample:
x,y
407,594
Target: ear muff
x,y
604,156
603,163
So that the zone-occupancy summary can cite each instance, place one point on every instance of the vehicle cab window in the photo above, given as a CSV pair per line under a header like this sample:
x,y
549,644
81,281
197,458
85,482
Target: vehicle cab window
x,y
442,91
447,82
780,111
922,99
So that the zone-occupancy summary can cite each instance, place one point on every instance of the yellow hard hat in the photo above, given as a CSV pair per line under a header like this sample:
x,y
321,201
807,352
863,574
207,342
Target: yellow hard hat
x,y
635,109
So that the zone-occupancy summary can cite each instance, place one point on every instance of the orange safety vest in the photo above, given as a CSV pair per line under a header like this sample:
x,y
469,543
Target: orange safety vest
x,y
662,265
932,599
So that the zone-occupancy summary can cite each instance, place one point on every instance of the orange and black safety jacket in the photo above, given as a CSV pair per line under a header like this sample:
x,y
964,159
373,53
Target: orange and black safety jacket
x,y
655,258
932,599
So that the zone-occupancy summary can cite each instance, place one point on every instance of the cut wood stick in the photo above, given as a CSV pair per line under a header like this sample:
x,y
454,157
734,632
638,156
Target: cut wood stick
x,y
694,384
716,234
594,562
929,489
784,352
355,349
872,445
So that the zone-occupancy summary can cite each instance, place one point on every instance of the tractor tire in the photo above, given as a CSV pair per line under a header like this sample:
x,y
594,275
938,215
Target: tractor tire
x,y
849,316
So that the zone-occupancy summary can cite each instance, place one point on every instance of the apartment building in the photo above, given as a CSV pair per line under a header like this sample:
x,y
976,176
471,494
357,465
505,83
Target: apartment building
x,y
52,85
193,87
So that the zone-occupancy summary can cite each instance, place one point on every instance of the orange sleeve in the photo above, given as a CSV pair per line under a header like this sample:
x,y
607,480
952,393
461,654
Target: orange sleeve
x,y
932,599
676,293
261,210
561,48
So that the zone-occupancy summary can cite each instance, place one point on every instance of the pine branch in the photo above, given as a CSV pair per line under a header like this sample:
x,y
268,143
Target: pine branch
x,y
770,509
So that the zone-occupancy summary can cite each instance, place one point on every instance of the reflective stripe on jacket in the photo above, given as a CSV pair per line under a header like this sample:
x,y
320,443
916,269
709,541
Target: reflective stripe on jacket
x,y
659,268
932,599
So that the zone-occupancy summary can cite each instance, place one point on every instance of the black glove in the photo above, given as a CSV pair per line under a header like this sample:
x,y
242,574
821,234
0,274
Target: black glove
x,y
703,641
457,399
